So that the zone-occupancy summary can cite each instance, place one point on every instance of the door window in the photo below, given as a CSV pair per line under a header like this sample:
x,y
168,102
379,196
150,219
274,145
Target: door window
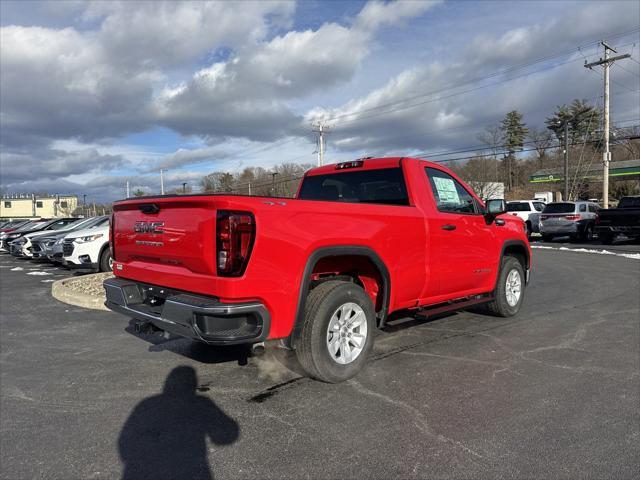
x,y
583,207
539,206
450,195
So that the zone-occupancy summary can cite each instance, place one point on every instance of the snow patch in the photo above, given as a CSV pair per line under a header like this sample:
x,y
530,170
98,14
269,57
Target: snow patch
x,y
17,269
49,280
635,256
39,273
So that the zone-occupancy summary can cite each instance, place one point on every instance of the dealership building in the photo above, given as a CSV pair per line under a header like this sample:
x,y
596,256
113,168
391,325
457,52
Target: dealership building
x,y
37,206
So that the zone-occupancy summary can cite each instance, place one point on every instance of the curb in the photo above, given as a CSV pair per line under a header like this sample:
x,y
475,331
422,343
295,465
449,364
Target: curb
x,y
60,290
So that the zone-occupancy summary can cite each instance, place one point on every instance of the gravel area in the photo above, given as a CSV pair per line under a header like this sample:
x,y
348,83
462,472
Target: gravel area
x,y
88,284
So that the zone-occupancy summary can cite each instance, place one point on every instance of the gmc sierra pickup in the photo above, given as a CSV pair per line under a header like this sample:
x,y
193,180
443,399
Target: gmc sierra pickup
x,y
624,220
363,239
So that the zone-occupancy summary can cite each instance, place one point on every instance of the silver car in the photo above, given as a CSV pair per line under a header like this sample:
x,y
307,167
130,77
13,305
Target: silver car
x,y
573,219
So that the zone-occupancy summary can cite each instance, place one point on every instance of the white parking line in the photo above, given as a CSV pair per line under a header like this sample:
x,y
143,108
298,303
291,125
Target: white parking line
x,y
635,256
39,273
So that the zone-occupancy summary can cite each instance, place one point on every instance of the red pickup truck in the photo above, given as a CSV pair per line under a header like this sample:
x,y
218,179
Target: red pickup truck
x,y
361,240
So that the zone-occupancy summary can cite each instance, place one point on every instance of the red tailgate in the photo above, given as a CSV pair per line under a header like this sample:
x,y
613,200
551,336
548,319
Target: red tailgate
x,y
174,232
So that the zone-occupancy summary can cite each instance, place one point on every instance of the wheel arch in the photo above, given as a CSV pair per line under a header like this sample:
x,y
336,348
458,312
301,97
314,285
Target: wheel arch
x,y
519,250
352,251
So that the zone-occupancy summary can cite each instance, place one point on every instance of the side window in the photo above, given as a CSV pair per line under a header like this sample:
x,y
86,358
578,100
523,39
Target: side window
x,y
450,196
583,207
538,206
593,208
38,204
7,204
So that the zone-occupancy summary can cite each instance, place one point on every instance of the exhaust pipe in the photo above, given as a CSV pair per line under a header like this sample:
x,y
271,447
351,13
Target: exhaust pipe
x,y
258,349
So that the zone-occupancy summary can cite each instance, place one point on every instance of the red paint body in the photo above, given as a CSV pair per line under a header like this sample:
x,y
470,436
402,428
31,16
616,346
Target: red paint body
x,y
426,264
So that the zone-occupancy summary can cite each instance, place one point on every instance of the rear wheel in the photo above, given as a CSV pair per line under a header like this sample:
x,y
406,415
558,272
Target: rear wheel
x,y
587,234
106,261
606,238
509,291
527,229
337,333
547,238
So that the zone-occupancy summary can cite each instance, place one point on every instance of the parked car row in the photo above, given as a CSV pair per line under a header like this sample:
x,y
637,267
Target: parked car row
x,y
78,243
581,220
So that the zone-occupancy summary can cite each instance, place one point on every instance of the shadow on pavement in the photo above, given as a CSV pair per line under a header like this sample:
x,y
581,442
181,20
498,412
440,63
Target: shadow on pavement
x,y
198,351
166,435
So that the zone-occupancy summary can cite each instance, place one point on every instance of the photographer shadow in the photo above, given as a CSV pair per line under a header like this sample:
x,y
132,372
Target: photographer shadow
x,y
166,435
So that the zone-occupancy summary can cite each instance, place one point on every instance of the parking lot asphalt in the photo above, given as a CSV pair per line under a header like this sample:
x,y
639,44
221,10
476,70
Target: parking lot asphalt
x,y
551,393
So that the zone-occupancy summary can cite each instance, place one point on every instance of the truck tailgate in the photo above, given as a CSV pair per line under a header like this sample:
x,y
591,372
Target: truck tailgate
x,y
167,232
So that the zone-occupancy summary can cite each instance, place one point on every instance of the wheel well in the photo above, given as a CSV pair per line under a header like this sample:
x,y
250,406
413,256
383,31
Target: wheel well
x,y
359,269
519,252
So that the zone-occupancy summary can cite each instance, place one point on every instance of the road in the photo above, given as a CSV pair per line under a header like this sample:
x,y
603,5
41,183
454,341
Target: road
x,y
551,393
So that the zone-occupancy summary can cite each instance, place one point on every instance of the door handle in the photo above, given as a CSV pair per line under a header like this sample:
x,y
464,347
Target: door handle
x,y
448,227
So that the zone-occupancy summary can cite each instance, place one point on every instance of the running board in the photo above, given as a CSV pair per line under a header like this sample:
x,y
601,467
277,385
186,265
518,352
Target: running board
x,y
453,305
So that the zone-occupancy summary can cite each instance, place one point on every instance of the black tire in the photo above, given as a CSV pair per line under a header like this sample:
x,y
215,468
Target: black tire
x,y
500,307
312,349
528,230
605,238
105,261
547,238
587,233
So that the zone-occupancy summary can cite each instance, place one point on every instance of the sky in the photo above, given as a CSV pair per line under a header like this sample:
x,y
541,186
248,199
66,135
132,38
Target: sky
x,y
95,94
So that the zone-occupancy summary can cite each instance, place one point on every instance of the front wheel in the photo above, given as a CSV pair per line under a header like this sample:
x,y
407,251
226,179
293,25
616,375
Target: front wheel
x,y
106,263
337,333
509,292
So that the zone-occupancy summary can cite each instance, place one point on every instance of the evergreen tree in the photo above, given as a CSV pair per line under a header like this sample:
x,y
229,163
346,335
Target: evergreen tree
x,y
514,132
583,121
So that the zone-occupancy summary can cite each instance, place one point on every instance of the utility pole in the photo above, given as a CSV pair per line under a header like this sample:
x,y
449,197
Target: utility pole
x,y
127,188
273,183
321,129
249,188
606,62
184,187
566,161
84,204
161,183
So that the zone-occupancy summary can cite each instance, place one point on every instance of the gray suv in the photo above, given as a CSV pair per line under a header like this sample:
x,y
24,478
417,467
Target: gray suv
x,y
573,219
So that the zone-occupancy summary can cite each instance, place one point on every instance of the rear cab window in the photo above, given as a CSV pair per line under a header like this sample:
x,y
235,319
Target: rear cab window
x,y
518,207
384,186
449,194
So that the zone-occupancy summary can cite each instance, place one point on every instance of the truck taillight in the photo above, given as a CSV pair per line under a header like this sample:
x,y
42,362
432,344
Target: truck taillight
x,y
235,233
112,238
572,217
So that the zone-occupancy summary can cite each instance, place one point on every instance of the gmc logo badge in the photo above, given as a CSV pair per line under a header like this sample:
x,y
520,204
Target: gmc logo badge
x,y
148,227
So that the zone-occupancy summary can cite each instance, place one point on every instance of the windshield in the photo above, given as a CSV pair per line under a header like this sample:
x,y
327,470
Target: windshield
x,y
384,186
559,208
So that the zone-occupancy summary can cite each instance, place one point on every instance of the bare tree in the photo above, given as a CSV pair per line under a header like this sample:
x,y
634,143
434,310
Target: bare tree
x,y
542,139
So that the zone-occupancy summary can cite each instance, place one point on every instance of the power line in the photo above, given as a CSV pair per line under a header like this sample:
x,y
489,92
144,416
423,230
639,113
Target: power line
x,y
485,77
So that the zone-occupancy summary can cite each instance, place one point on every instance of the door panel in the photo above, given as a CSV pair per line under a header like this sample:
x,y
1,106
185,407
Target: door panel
x,y
462,245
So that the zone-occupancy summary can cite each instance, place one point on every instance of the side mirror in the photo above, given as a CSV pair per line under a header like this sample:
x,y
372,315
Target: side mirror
x,y
496,207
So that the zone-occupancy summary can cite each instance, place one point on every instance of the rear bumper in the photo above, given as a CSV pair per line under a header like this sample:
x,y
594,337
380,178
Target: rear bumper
x,y
200,318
